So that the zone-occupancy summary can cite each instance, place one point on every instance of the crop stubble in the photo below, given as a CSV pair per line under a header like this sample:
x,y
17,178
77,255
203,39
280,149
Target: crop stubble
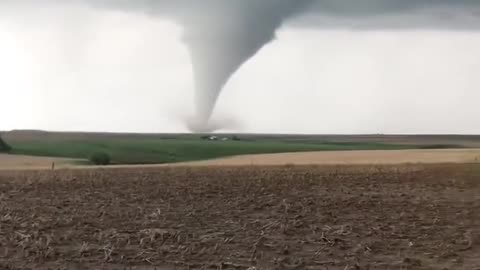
x,y
20,162
402,217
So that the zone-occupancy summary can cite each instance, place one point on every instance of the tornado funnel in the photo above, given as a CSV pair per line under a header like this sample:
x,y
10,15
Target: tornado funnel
x,y
213,63
219,44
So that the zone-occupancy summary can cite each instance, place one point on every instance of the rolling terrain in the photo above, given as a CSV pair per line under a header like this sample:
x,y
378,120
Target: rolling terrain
x,y
361,209
177,148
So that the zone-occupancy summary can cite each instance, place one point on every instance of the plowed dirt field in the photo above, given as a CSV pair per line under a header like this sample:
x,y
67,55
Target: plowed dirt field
x,y
402,217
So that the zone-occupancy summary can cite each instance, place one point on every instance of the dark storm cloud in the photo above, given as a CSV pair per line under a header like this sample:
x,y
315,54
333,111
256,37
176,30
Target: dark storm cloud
x,y
393,14
221,35
317,13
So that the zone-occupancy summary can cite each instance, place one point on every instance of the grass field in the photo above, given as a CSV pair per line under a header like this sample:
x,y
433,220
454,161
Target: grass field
x,y
395,217
159,149
149,151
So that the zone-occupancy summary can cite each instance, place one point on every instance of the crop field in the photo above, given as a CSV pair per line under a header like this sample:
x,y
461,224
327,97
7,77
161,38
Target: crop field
x,y
174,148
358,157
132,150
284,217
19,162
159,151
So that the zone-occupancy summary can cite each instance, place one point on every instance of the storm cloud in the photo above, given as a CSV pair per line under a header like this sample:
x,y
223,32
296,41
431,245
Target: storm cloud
x,y
221,35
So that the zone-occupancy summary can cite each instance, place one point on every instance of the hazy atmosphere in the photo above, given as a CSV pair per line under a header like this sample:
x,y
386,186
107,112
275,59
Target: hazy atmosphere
x,y
334,66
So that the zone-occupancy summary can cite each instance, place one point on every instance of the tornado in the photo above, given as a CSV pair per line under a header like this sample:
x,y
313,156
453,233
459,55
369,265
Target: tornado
x,y
221,35
221,40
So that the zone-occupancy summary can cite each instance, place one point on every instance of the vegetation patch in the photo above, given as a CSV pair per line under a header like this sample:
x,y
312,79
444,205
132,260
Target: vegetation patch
x,y
4,147
159,151
100,158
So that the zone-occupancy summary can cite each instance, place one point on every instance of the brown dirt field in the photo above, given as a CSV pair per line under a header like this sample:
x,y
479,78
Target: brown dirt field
x,y
17,162
350,158
383,217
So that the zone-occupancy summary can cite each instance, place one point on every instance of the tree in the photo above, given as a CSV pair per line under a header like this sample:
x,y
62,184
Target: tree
x,y
4,147
100,158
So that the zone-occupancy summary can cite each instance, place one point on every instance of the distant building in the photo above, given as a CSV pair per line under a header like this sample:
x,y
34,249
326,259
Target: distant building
x,y
216,138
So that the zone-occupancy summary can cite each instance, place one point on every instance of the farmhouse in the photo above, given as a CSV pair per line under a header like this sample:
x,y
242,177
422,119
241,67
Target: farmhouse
x,y
210,138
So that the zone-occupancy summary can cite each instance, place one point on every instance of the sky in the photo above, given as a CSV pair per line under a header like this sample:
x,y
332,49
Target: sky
x,y
130,72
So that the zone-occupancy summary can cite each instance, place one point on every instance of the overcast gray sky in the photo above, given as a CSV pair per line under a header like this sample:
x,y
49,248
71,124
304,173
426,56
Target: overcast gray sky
x,y
127,71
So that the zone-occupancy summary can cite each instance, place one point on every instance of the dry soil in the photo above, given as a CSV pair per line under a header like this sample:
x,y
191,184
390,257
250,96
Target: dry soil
x,y
351,158
289,217
18,162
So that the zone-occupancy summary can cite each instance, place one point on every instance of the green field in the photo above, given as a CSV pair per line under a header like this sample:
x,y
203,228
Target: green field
x,y
150,151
